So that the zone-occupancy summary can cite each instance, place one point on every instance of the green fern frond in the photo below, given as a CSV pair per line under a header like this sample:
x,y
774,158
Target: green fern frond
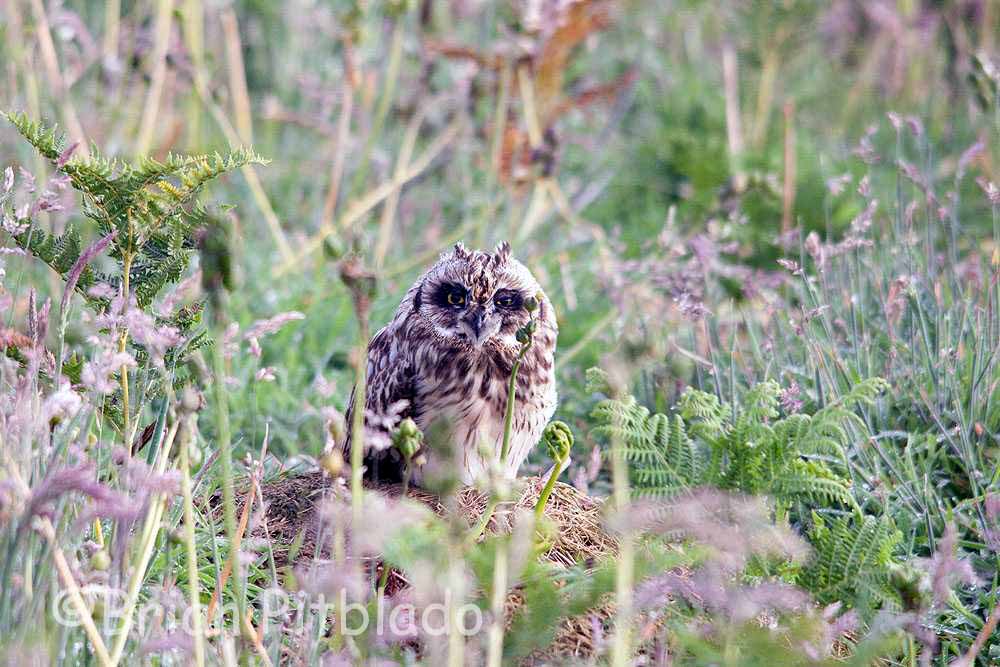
x,y
703,413
815,483
851,561
151,206
50,142
758,453
662,458
597,382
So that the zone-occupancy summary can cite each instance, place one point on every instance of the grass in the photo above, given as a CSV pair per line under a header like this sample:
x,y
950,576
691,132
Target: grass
x,y
644,159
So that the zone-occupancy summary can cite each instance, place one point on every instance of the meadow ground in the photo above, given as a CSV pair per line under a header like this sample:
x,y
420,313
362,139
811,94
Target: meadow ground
x,y
771,234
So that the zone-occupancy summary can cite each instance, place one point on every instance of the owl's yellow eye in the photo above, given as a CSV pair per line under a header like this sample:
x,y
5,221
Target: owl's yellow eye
x,y
509,300
456,299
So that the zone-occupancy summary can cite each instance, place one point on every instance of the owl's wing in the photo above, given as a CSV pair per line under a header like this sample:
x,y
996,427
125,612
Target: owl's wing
x,y
390,398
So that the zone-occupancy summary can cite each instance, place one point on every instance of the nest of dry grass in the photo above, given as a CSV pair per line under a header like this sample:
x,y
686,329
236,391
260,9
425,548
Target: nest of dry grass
x,y
291,518
580,536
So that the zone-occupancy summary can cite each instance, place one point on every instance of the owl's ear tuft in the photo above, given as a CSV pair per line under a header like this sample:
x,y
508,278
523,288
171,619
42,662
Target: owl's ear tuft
x,y
418,297
460,251
501,253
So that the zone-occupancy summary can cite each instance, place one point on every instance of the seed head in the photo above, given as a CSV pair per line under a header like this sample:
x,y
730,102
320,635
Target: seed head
x,y
407,438
333,462
100,561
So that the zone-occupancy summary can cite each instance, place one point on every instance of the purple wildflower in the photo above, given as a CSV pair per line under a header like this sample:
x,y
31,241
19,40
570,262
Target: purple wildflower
x,y
66,155
946,569
265,374
97,374
157,339
271,325
101,291
691,308
790,398
61,404
85,257
837,184
968,155
864,187
863,221
74,479
990,189
865,150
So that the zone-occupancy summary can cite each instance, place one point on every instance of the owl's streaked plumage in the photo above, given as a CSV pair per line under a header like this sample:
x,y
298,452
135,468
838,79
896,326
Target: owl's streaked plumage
x,y
448,353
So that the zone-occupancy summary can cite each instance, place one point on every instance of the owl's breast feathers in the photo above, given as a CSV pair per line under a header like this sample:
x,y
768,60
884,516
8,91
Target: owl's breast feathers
x,y
464,387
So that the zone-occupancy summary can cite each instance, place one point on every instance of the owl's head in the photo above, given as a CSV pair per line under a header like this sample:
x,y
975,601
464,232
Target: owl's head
x,y
474,297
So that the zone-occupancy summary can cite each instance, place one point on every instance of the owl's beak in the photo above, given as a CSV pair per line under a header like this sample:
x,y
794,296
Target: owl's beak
x,y
475,320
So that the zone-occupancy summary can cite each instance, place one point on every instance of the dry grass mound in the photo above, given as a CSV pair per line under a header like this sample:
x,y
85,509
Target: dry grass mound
x,y
290,517
291,505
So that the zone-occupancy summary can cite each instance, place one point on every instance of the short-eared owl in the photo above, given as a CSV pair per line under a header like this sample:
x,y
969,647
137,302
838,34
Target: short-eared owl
x,y
448,354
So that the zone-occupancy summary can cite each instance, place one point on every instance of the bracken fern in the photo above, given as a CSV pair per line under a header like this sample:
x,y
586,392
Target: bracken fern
x,y
797,458
150,214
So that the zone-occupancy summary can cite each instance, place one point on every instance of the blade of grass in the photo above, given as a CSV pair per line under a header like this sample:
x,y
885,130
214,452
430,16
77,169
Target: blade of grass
x,y
69,582
237,75
56,82
158,60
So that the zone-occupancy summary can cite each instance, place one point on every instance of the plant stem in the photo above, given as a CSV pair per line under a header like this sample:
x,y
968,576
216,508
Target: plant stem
x,y
621,642
407,472
382,110
543,498
146,543
192,555
508,422
484,520
112,23
122,344
511,396
226,458
495,639
237,76
358,421
158,58
69,582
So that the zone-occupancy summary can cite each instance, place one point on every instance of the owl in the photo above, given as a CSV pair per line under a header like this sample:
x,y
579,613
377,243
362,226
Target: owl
x,y
447,356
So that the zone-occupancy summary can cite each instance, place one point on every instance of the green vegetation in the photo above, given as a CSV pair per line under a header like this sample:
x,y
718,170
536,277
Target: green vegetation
x,y
771,234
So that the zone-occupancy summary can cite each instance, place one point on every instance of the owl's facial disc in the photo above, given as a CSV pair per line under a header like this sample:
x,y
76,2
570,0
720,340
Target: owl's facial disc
x,y
479,323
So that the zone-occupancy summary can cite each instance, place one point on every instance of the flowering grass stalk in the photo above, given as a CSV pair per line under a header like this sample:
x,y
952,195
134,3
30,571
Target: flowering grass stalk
x,y
146,543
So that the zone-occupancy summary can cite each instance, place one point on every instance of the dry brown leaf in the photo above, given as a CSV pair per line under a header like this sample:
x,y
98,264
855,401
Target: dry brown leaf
x,y
581,20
